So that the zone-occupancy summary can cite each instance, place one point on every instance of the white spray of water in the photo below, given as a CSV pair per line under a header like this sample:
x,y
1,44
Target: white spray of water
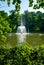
x,y
21,32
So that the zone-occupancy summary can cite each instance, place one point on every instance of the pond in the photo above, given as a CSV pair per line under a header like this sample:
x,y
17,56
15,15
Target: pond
x,y
31,39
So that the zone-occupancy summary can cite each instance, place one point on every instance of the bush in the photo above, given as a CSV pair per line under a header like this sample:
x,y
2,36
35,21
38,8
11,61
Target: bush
x,y
37,56
22,55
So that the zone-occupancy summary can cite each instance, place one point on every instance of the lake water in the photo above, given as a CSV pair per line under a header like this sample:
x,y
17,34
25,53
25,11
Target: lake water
x,y
31,39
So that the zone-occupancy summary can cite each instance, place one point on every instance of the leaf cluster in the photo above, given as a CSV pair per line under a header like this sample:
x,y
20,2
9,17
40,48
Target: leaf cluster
x,y
39,4
4,25
34,22
22,55
15,2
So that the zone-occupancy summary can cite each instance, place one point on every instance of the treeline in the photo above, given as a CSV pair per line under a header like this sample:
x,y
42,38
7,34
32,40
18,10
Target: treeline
x,y
34,22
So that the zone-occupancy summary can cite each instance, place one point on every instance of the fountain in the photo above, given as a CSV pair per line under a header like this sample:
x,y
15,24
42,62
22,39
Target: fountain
x,y
21,28
21,32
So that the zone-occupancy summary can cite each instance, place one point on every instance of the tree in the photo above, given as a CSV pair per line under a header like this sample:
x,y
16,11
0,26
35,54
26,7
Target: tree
x,y
14,20
34,22
4,22
40,21
39,4
14,14
4,25
15,2
29,21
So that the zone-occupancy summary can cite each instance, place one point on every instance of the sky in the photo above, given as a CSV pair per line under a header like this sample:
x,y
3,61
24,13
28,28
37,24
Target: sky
x,y
24,7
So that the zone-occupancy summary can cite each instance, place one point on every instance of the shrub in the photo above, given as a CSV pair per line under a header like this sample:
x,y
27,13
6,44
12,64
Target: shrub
x,y
37,56
22,55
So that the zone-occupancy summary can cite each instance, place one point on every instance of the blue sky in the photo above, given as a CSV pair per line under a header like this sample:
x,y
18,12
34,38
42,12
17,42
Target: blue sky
x,y
24,6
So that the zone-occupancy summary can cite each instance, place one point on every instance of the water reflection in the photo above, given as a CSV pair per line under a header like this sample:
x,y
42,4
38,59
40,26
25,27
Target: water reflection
x,y
33,39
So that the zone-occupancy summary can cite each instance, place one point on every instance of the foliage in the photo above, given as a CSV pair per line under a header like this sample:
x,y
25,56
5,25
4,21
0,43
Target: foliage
x,y
22,55
15,14
15,2
14,20
4,25
39,4
34,22
37,56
